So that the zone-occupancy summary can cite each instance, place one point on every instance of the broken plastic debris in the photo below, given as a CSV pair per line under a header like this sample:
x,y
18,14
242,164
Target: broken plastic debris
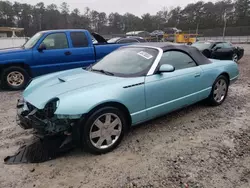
x,y
41,150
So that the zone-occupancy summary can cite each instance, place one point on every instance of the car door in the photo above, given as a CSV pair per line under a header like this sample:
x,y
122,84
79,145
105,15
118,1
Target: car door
x,y
229,51
82,51
219,51
54,56
169,91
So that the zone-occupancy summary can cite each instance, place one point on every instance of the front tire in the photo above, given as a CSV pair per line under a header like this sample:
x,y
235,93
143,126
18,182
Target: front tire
x,y
14,78
219,91
104,130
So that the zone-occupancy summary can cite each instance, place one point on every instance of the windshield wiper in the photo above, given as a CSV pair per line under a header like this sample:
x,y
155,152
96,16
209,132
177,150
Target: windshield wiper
x,y
102,71
88,67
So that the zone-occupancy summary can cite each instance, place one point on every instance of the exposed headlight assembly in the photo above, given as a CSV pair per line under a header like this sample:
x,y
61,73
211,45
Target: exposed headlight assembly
x,y
51,107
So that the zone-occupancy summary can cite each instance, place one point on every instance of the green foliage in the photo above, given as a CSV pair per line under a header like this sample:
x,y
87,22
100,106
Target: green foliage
x,y
207,15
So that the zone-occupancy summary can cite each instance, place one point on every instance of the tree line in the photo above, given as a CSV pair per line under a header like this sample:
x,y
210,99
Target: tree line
x,y
195,15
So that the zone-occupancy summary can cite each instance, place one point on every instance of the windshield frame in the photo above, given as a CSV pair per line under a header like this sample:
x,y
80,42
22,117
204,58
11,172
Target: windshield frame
x,y
114,40
39,33
203,43
149,71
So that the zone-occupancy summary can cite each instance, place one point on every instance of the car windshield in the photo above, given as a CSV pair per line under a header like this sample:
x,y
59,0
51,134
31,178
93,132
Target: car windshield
x,y
94,40
127,62
32,41
202,45
113,40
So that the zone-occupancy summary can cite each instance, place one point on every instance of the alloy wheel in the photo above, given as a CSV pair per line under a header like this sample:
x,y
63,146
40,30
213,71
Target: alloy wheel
x,y
220,90
235,58
105,131
15,78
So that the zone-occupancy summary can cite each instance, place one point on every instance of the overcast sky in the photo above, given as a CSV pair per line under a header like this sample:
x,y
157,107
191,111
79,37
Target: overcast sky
x,y
137,7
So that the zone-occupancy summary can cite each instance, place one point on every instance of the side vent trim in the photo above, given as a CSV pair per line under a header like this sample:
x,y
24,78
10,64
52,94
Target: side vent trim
x,y
134,85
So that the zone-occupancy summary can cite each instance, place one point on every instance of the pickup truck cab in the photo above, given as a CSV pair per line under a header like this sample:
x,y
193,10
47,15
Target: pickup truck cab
x,y
51,51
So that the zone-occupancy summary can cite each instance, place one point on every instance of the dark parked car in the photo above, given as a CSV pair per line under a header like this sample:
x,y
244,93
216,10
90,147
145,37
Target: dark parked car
x,y
157,33
120,40
220,50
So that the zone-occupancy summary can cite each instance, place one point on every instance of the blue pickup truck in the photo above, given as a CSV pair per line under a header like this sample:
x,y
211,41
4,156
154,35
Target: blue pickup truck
x,y
51,51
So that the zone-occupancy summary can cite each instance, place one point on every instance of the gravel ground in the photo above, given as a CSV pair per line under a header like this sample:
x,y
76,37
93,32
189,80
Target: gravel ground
x,y
199,146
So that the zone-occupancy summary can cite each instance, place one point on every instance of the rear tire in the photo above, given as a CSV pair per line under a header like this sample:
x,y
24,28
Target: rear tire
x,y
14,78
235,58
103,130
219,91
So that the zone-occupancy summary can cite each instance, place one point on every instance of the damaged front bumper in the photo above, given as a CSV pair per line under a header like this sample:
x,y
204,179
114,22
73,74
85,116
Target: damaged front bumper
x,y
30,117
55,136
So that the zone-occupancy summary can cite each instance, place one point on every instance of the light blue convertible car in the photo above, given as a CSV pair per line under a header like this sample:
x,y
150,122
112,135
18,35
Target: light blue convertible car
x,y
133,84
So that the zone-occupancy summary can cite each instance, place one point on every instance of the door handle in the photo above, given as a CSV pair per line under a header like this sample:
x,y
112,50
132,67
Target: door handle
x,y
67,53
197,74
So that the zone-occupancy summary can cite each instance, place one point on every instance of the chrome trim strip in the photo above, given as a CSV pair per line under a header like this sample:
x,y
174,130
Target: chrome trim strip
x,y
159,105
133,85
138,112
234,78
156,62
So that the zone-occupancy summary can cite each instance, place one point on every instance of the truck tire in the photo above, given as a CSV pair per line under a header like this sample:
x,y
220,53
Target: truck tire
x,y
14,78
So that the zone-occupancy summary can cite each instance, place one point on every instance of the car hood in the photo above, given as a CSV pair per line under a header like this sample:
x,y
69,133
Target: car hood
x,y
99,38
11,50
44,88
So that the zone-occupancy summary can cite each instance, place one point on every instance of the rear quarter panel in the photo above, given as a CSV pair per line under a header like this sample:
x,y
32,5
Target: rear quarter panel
x,y
216,68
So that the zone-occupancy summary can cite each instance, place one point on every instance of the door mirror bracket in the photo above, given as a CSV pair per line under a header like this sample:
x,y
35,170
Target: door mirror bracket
x,y
41,47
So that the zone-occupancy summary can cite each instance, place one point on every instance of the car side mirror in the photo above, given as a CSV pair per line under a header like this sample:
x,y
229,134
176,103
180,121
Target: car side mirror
x,y
166,68
41,47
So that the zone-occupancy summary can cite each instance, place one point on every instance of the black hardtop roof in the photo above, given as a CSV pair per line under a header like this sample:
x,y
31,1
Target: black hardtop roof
x,y
168,46
165,46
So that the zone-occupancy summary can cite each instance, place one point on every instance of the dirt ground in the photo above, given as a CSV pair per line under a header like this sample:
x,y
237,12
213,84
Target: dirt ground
x,y
199,146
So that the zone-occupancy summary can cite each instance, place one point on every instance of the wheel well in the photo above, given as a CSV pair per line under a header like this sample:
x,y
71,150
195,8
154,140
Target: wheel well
x,y
118,105
22,65
227,76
